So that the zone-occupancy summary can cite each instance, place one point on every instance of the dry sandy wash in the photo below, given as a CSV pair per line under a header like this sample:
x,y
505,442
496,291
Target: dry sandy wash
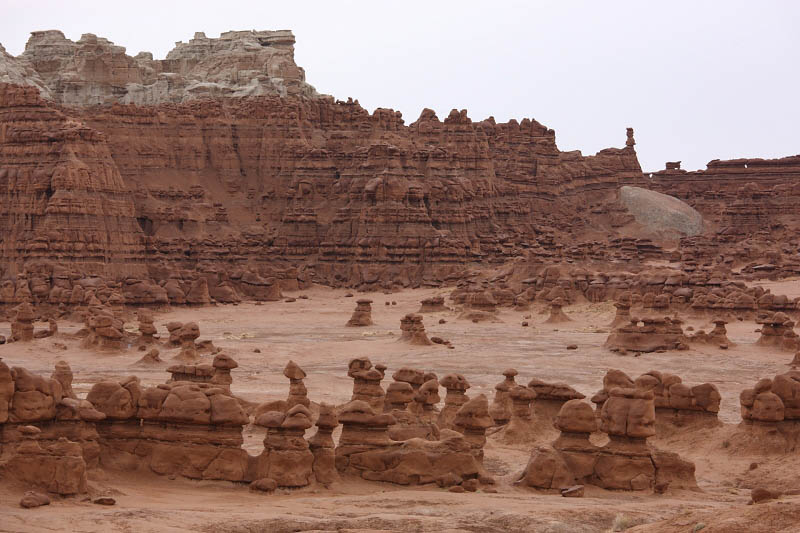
x,y
312,332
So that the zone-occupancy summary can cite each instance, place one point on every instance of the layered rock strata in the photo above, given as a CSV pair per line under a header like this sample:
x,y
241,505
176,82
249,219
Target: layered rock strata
x,y
627,462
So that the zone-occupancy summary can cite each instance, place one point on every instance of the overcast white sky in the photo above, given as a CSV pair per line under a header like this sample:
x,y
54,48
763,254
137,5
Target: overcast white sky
x,y
698,80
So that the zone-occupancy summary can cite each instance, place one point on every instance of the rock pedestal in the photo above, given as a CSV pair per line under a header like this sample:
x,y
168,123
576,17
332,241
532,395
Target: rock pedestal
x,y
413,331
501,410
22,326
366,383
323,447
362,316
457,386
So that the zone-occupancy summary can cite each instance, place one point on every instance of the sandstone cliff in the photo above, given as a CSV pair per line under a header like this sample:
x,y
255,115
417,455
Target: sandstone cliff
x,y
222,156
221,161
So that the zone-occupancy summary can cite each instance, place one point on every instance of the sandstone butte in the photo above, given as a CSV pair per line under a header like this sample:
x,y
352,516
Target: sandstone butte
x,y
221,161
132,189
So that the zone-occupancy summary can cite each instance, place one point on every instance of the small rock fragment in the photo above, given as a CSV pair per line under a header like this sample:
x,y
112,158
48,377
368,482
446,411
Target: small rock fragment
x,y
575,491
760,495
33,499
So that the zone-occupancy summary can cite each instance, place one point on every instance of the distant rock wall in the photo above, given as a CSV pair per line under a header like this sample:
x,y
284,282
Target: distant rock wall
x,y
743,197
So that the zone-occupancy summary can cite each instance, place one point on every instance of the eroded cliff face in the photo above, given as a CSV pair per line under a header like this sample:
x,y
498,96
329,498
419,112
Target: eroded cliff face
x,y
743,197
221,158
94,71
62,198
362,197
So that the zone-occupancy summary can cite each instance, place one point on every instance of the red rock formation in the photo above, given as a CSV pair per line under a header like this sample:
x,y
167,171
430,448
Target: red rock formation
x,y
771,415
456,386
718,335
473,420
217,373
58,468
404,204
742,196
365,449
63,374
146,327
413,330
557,316
433,304
150,359
72,204
501,408
194,429
773,400
520,427
362,315
187,334
22,327
287,457
105,329
627,462
777,330
323,447
655,333
676,404
366,383
549,399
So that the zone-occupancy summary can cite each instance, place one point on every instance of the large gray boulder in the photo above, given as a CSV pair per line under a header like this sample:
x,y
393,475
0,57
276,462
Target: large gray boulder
x,y
661,214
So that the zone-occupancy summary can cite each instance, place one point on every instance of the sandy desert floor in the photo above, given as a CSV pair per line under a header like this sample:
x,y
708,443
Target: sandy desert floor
x,y
312,333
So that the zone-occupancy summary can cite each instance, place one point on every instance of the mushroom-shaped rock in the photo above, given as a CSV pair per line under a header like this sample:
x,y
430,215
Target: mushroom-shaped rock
x,y
358,364
576,416
356,412
474,414
297,418
63,374
362,316
298,394
428,393
411,376
521,398
224,361
189,332
455,382
613,378
398,395
327,416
